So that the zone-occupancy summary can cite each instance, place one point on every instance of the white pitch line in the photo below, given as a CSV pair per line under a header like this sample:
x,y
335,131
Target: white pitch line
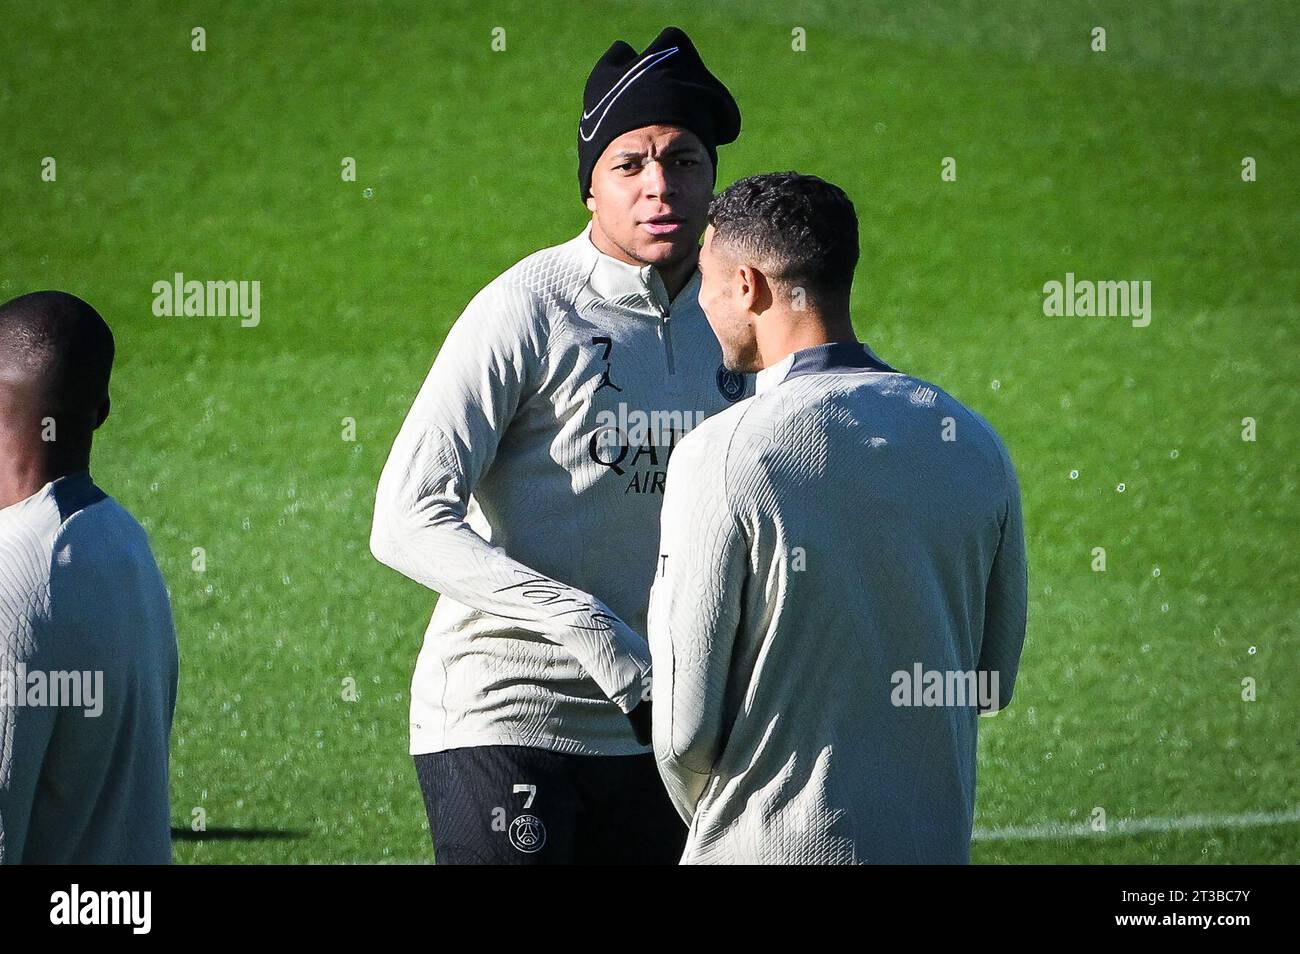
x,y
1131,826
1123,826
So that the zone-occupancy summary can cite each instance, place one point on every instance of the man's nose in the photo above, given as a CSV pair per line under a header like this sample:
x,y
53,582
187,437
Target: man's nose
x,y
656,182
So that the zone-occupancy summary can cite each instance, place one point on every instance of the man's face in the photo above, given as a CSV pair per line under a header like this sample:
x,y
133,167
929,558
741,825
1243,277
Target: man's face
x,y
650,192
723,300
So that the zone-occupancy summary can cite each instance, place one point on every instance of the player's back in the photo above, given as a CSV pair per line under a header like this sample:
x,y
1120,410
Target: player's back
x,y
83,607
874,504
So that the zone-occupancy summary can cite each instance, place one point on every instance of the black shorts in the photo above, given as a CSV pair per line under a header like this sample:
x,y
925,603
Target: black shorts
x,y
515,805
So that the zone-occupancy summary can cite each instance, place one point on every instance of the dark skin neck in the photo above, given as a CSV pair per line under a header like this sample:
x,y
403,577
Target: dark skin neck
x,y
27,462
25,470
676,275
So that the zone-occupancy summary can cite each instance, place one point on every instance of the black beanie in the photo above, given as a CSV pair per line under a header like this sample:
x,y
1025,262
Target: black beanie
x,y
667,84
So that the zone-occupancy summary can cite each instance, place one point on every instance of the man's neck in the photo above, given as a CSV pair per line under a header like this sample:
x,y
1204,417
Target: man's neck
x,y
809,331
674,275
23,473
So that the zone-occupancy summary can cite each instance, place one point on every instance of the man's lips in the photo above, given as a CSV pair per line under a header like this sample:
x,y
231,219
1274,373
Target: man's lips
x,y
663,225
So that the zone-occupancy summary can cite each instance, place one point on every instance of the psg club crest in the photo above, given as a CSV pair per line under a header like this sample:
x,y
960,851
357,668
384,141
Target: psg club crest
x,y
731,384
528,834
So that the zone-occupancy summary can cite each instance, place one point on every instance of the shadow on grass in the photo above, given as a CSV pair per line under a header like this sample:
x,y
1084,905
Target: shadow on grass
x,y
237,834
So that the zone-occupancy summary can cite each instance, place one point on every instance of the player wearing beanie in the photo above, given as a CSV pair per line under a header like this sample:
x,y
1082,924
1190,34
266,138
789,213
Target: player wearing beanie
x,y
525,486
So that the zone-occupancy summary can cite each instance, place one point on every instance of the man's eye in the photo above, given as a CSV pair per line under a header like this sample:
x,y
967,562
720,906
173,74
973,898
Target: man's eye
x,y
688,162
626,166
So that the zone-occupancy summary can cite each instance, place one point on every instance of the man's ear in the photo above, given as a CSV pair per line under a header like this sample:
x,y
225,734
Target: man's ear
x,y
103,413
754,292
591,203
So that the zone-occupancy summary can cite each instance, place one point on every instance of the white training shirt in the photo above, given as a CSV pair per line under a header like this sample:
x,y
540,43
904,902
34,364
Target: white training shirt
x,y
83,770
525,486
846,524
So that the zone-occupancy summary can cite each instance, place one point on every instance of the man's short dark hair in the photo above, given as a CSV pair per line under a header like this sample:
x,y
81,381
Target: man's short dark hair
x,y
802,228
60,343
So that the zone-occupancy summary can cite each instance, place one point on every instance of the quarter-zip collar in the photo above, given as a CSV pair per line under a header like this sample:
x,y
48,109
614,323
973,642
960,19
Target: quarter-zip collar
x,y
74,493
636,287
839,357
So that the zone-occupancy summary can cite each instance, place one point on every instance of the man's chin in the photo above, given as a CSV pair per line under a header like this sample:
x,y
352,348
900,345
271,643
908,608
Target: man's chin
x,y
667,251
738,364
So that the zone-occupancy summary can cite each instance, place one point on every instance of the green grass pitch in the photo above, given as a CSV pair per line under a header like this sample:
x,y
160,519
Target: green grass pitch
x,y
1123,164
